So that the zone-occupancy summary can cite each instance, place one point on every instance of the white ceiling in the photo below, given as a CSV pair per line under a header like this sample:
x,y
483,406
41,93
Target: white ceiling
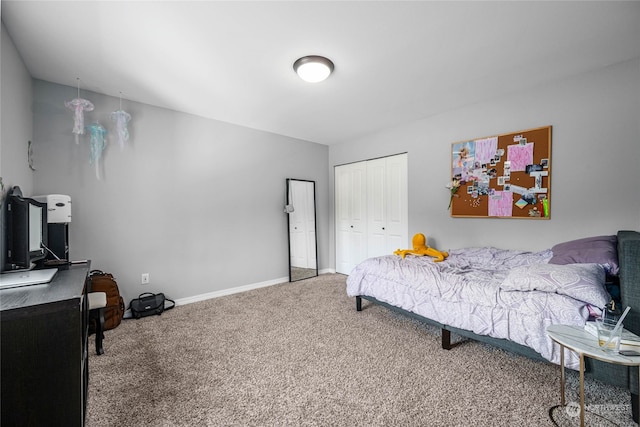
x,y
395,61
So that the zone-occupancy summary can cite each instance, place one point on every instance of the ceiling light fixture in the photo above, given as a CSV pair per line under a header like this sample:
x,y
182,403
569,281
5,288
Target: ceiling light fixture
x,y
313,69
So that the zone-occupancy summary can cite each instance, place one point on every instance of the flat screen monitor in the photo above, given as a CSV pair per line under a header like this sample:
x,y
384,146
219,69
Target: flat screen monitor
x,y
35,228
26,232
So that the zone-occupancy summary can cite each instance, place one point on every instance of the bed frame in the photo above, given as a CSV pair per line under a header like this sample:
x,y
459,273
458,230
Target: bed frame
x,y
629,276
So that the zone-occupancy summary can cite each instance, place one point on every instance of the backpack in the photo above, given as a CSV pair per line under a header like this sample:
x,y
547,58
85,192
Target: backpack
x,y
113,313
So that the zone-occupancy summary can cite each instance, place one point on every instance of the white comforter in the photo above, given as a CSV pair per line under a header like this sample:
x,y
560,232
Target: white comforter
x,y
466,291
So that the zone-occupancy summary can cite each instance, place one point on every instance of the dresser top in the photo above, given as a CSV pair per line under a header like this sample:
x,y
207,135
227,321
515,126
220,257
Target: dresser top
x,y
67,285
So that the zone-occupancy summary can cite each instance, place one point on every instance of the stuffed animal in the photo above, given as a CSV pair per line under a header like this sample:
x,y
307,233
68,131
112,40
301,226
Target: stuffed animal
x,y
420,248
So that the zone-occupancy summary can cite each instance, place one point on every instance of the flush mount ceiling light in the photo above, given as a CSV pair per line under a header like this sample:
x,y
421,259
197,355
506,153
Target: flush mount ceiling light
x,y
313,69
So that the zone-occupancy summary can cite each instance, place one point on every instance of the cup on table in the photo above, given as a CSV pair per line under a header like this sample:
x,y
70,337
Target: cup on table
x,y
606,334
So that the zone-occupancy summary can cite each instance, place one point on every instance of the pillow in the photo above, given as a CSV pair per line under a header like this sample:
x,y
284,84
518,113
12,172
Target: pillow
x,y
584,282
600,250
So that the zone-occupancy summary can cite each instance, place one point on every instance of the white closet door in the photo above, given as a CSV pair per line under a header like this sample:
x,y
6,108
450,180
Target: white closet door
x,y
376,207
397,204
350,196
371,210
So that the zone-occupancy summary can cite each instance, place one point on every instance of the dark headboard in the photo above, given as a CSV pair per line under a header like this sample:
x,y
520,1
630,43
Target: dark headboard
x,y
629,261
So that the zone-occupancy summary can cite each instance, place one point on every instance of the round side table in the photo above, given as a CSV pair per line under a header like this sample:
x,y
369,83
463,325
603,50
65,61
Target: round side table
x,y
576,339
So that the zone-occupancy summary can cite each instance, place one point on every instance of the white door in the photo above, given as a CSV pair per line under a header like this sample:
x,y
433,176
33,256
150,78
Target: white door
x,y
371,210
396,204
376,207
350,206
302,225
387,205
310,225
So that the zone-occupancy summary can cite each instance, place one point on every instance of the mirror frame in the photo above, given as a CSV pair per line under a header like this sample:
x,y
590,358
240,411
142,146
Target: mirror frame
x,y
294,275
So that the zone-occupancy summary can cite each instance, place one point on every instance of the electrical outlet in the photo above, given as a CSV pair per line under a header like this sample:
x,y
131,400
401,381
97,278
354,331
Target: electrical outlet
x,y
145,279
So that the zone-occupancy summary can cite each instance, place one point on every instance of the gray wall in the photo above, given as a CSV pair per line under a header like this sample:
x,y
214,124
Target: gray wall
x,y
195,202
16,125
17,120
595,183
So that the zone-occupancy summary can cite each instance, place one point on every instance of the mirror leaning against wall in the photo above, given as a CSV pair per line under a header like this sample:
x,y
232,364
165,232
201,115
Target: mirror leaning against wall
x,y
301,217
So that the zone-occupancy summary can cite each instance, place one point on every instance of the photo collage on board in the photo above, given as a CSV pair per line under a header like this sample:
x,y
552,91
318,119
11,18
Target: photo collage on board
x,y
485,169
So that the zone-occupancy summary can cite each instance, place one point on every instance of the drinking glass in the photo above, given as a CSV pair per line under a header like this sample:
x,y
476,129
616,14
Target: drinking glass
x,y
606,335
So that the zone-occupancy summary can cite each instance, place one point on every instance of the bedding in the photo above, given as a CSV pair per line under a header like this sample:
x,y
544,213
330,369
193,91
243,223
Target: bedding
x,y
500,293
583,282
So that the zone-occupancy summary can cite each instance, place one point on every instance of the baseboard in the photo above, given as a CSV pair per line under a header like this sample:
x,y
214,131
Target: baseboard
x,y
238,289
230,291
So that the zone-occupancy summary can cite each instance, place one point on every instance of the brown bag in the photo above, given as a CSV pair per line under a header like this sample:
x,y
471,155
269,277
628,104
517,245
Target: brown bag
x,y
104,282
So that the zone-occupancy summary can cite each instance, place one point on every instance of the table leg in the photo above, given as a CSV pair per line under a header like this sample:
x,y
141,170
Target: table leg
x,y
581,390
562,377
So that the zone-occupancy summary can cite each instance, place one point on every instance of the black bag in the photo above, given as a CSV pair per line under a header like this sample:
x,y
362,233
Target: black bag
x,y
148,304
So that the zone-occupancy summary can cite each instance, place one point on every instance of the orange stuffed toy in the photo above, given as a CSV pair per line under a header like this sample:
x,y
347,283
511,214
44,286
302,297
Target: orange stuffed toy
x,y
420,248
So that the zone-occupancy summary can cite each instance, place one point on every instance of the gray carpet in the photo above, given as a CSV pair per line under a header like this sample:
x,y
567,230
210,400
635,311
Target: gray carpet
x,y
299,354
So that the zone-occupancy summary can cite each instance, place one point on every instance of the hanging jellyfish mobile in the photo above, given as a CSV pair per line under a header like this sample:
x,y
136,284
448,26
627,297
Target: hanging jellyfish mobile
x,y
121,118
98,144
79,106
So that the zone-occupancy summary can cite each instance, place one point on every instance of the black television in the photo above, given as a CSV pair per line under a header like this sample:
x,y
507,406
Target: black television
x,y
26,231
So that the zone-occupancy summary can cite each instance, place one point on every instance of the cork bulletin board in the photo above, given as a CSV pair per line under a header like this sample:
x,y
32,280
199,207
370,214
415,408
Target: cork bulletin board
x,y
503,176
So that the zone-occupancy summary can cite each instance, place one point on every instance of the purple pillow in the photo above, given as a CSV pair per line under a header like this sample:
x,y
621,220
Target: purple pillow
x,y
599,250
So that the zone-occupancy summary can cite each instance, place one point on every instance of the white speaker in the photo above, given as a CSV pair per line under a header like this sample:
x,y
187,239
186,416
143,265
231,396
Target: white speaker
x,y
58,207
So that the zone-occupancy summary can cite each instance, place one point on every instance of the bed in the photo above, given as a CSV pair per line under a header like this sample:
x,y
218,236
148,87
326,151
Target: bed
x,y
508,298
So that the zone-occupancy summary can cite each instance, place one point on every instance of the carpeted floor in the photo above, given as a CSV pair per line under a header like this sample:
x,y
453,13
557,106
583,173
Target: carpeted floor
x,y
299,354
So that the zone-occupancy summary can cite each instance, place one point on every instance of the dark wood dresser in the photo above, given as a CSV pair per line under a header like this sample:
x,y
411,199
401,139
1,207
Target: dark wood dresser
x,y
43,353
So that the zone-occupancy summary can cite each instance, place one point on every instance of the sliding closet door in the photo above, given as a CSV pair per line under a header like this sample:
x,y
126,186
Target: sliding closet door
x,y
351,226
387,216
371,210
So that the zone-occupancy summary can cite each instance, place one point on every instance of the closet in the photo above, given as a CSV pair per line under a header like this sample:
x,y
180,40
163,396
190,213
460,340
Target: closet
x,y
371,208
